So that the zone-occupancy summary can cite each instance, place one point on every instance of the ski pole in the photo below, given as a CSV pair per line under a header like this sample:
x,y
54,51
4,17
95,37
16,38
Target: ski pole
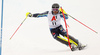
x,y
83,24
66,27
79,21
18,27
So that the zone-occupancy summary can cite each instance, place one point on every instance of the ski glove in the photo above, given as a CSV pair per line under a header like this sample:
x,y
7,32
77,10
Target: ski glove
x,y
28,14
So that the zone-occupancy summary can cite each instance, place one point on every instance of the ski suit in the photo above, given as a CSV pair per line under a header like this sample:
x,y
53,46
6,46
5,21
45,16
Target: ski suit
x,y
56,27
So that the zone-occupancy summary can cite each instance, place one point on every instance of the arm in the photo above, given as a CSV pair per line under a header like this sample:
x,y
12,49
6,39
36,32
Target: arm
x,y
40,14
61,15
66,17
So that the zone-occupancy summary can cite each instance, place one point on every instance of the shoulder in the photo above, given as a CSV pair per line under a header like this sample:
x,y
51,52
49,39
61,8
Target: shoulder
x,y
49,11
46,12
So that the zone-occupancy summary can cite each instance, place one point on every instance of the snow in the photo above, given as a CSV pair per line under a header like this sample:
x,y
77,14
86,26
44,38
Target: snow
x,y
34,37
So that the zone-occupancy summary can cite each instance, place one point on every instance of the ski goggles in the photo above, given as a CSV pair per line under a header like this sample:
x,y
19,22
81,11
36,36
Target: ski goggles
x,y
55,9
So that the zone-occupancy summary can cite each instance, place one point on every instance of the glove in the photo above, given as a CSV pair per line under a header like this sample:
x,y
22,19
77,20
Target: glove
x,y
28,14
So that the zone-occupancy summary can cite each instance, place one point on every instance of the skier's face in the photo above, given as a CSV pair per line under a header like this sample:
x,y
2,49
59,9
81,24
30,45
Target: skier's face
x,y
55,10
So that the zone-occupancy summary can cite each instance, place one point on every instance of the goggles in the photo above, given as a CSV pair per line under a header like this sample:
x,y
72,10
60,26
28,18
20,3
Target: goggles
x,y
55,9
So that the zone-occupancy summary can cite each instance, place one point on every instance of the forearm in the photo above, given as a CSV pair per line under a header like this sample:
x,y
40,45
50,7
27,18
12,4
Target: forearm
x,y
61,15
66,16
40,14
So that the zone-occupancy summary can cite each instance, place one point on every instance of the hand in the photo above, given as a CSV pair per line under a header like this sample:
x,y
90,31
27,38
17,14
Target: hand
x,y
28,14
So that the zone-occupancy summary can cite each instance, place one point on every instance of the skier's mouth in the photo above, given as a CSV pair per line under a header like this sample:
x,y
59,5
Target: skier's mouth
x,y
55,12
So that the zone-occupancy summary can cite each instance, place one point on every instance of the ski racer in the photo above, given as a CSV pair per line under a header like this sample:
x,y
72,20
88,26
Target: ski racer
x,y
54,17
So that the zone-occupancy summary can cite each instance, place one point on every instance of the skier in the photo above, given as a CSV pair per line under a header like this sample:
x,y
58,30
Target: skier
x,y
56,28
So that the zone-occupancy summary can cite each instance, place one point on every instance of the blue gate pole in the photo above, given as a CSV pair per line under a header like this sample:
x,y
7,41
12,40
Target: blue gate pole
x,y
1,28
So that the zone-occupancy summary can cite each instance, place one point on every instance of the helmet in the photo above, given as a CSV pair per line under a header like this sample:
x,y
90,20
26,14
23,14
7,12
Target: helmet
x,y
55,7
